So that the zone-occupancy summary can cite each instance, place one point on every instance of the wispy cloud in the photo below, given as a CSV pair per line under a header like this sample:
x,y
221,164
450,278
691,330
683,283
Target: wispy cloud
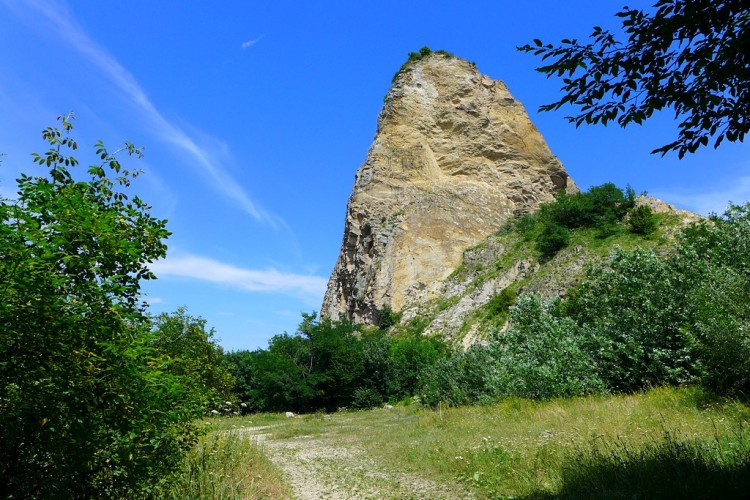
x,y
250,43
66,27
716,200
268,280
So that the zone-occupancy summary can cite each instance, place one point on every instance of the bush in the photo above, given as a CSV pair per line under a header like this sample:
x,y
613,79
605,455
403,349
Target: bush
x,y
411,357
552,239
89,405
500,304
387,318
601,208
641,220
716,255
545,356
464,378
366,398
416,56
633,312
597,207
194,356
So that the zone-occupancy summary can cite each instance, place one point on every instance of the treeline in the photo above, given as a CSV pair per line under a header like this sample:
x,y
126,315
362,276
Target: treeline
x,y
329,365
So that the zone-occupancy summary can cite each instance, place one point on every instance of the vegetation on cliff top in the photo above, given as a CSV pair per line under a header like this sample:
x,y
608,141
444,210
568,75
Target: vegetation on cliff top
x,y
418,56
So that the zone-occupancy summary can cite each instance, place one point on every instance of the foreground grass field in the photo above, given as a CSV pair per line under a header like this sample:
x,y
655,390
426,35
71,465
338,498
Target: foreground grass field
x,y
662,443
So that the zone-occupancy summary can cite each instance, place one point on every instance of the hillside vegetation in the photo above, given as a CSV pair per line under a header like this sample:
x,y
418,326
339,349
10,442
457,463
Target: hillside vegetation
x,y
660,302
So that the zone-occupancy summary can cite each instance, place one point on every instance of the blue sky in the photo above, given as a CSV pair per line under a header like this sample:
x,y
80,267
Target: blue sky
x,y
255,116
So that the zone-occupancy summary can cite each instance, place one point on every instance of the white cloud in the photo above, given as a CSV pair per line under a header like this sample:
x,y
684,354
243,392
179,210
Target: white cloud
x,y
63,23
252,280
735,190
250,43
154,300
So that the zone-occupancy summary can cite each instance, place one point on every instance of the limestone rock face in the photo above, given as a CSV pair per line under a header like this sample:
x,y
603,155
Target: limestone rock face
x,y
454,157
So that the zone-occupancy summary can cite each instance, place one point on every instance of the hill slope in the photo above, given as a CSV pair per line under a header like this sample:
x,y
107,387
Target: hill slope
x,y
474,300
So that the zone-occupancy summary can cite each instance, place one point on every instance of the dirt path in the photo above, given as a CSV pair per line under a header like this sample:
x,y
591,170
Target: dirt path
x,y
329,466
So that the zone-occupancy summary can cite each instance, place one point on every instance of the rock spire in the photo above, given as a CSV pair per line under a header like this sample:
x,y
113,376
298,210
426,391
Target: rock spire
x,y
454,157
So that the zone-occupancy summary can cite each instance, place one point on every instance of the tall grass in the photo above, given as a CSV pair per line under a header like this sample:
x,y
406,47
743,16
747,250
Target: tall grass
x,y
523,448
672,467
228,465
661,443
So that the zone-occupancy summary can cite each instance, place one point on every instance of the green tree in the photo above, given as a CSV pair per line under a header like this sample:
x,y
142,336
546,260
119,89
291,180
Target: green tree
x,y
688,55
641,220
88,407
543,355
336,361
194,356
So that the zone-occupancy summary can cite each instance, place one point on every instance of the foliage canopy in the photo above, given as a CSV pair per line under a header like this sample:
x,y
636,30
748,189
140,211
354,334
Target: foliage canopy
x,y
689,55
93,400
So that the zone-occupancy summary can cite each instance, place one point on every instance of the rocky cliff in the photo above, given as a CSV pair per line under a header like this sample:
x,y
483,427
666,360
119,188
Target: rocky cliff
x,y
454,157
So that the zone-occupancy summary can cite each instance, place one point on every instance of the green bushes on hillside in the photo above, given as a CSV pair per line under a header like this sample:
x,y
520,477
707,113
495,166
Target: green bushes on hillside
x,y
601,208
638,321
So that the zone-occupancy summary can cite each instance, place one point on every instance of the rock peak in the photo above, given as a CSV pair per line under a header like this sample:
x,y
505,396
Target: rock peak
x,y
454,157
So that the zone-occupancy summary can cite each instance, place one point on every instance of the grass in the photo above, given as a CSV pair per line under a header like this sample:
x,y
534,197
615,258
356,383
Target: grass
x,y
675,467
227,465
632,446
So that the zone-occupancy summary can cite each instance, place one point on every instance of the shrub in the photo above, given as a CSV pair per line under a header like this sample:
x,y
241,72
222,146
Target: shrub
x,y
545,356
552,239
641,220
366,398
500,304
416,56
195,357
601,208
89,404
633,310
464,378
411,356
387,318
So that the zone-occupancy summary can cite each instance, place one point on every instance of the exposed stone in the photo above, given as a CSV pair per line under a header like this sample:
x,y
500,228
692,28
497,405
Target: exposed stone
x,y
454,157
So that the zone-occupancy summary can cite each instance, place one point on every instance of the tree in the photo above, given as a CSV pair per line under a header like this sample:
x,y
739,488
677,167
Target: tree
x,y
194,356
89,406
689,55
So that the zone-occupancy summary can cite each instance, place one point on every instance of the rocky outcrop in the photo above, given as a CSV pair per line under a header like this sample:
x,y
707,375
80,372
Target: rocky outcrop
x,y
454,157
